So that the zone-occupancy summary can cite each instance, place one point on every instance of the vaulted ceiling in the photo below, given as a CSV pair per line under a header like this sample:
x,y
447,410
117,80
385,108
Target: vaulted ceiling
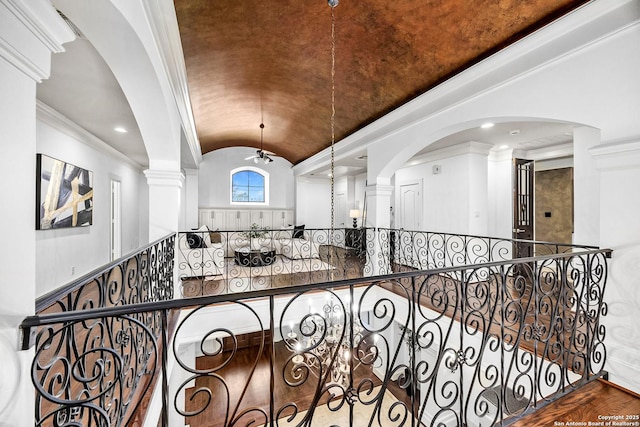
x,y
253,61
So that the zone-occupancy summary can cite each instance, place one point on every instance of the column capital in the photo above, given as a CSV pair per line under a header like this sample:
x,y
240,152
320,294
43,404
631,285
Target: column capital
x,y
31,31
379,190
191,172
164,178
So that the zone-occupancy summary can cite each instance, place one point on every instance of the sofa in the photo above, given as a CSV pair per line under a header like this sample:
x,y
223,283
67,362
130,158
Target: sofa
x,y
282,241
197,255
202,252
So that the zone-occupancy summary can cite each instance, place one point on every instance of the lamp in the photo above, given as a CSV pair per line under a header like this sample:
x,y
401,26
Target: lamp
x,y
355,214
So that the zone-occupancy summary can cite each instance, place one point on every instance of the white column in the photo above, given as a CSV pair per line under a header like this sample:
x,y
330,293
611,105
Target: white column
x,y
18,252
586,186
29,33
191,199
500,194
478,188
619,166
165,197
378,215
378,204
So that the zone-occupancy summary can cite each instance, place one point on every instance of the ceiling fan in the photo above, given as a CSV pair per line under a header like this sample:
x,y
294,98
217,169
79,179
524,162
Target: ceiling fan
x,y
262,155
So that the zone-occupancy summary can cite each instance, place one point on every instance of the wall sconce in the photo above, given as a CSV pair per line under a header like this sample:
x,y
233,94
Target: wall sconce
x,y
354,213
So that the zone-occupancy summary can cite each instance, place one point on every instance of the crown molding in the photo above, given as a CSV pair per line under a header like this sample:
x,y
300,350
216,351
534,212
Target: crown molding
x,y
48,31
561,150
61,123
469,147
617,155
22,62
501,155
164,28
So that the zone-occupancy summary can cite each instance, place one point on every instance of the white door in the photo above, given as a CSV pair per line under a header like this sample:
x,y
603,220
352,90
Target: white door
x,y
116,224
409,214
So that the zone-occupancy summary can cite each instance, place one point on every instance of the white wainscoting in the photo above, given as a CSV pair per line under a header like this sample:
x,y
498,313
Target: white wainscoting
x,y
241,219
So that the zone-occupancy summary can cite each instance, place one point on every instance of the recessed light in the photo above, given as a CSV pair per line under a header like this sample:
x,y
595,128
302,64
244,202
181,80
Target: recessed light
x,y
120,129
503,147
487,125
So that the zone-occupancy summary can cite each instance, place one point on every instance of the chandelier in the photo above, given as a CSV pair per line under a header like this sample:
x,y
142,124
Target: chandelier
x,y
328,342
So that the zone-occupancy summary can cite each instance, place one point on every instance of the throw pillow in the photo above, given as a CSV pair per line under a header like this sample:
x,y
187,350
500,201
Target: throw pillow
x,y
195,241
215,236
298,232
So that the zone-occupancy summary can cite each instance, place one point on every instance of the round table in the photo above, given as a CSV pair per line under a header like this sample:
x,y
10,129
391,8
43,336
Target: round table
x,y
248,257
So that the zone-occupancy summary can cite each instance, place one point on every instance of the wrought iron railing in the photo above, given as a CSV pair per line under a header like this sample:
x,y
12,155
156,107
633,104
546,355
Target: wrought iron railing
x,y
213,263
427,250
473,345
143,276
104,364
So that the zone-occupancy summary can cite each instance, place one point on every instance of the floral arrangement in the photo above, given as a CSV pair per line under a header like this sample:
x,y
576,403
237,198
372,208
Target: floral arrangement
x,y
255,232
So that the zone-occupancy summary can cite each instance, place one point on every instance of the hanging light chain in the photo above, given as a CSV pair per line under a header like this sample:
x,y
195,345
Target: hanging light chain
x,y
333,4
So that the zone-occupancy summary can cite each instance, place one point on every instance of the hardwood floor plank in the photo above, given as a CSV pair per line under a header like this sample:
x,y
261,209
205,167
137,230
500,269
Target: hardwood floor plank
x,y
237,380
588,406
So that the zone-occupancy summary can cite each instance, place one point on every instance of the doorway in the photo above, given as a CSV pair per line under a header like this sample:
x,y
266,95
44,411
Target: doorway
x,y
553,207
543,206
115,233
409,215
523,213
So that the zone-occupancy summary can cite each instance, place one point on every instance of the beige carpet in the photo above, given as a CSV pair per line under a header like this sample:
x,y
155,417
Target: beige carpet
x,y
282,265
324,417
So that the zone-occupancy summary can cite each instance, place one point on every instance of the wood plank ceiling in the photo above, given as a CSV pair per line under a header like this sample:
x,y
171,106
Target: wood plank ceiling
x,y
253,61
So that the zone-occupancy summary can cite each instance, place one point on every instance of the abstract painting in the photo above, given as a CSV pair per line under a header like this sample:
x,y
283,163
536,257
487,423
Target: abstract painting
x,y
64,194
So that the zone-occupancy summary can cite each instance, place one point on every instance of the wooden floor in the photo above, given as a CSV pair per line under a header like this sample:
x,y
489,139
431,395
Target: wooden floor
x,y
588,404
247,386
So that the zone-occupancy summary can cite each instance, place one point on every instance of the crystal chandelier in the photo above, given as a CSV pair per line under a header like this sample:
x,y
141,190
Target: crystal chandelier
x,y
324,343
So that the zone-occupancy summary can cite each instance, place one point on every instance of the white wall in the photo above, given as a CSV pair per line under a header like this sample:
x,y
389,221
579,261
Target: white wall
x,y
619,169
359,201
586,189
83,249
214,178
500,201
143,205
191,199
455,199
313,202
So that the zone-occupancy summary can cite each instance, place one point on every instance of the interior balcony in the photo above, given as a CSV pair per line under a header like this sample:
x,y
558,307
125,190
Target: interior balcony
x,y
344,327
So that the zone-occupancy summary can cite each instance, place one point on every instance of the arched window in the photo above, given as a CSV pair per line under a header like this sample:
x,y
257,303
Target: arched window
x,y
249,185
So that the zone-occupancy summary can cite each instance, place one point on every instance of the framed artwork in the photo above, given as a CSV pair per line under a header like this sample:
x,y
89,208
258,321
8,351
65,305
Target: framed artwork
x,y
64,194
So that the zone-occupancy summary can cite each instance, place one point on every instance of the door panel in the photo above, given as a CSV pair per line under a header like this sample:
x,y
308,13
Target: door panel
x,y
410,209
523,213
116,221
